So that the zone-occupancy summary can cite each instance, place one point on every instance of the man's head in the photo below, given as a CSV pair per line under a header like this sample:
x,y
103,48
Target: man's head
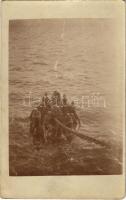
x,y
64,96
46,94
72,104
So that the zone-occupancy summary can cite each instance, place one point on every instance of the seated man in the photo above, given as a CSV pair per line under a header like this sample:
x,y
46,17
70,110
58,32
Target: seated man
x,y
71,110
56,98
45,99
35,122
64,101
48,125
74,115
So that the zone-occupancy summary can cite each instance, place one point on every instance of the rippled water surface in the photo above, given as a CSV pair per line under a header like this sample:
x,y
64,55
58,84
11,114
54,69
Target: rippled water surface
x,y
78,57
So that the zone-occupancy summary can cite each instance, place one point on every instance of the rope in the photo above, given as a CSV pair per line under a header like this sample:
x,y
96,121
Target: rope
x,y
82,136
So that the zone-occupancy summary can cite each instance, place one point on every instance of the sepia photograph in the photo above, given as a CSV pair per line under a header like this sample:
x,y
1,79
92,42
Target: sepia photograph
x,y
65,97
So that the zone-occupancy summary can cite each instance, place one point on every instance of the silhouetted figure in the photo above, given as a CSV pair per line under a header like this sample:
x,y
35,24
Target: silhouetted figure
x,y
72,111
49,126
64,101
56,98
35,123
45,99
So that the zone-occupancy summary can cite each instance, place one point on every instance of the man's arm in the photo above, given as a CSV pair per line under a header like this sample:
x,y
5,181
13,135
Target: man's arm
x,y
30,117
76,116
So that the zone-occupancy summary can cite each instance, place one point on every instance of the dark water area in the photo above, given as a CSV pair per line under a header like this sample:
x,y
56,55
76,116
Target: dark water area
x,y
77,57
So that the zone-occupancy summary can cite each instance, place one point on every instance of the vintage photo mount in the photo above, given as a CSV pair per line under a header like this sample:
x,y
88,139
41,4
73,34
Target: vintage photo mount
x,y
106,186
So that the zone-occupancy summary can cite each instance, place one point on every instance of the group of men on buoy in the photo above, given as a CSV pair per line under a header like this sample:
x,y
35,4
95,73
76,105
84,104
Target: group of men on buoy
x,y
44,127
